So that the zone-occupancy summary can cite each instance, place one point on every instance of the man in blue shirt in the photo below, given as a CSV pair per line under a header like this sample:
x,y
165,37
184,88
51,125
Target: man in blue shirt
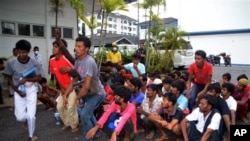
x,y
137,96
136,68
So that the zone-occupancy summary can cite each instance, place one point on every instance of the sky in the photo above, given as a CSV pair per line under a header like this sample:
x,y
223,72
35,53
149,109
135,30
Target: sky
x,y
201,15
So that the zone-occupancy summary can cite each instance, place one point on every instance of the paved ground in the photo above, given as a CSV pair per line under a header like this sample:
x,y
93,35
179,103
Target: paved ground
x,y
10,130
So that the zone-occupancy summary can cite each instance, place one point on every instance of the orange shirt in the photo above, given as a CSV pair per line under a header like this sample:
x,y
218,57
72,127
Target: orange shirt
x,y
200,75
63,79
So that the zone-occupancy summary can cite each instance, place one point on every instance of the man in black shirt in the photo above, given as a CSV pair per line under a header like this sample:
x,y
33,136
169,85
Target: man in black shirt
x,y
142,53
168,117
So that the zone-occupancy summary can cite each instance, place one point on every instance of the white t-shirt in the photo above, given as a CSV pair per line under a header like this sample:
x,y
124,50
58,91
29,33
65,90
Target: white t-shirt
x,y
199,116
231,103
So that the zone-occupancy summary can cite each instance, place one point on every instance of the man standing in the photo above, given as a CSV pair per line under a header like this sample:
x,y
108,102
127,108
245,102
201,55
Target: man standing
x,y
60,66
142,53
200,74
38,57
92,91
25,100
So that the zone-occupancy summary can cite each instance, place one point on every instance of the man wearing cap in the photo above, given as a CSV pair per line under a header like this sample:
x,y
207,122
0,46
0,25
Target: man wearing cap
x,y
114,55
241,96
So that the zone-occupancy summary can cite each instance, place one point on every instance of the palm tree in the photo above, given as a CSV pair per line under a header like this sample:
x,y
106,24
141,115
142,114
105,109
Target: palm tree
x,y
171,40
109,6
149,4
92,24
56,8
80,10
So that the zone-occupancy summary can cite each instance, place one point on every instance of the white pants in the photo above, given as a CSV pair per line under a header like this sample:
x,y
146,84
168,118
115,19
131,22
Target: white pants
x,y
25,108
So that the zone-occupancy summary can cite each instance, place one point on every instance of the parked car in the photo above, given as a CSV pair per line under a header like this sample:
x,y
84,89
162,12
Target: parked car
x,y
127,47
184,57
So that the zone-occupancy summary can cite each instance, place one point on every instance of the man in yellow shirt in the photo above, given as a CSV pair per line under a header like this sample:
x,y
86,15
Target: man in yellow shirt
x,y
114,55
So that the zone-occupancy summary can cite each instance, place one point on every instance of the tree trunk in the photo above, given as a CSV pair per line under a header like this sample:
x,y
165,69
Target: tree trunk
x,y
92,30
56,15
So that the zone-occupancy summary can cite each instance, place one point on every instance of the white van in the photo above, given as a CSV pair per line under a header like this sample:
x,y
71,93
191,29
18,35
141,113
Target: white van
x,y
127,47
184,57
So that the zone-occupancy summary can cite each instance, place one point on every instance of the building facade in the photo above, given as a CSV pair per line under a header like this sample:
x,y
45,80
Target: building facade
x,y
117,24
33,21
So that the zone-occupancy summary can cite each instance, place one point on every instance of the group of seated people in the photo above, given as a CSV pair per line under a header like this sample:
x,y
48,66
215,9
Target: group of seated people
x,y
147,104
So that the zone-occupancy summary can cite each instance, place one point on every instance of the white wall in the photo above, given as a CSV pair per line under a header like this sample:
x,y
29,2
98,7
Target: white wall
x,y
35,12
238,45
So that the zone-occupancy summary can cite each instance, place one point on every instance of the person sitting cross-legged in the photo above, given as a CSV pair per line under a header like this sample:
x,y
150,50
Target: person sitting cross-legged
x,y
169,117
151,103
204,122
120,119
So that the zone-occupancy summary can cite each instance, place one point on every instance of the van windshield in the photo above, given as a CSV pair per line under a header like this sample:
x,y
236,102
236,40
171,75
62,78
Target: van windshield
x,y
161,47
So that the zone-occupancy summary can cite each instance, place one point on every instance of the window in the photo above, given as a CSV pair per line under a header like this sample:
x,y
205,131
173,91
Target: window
x,y
68,33
8,28
53,31
125,27
125,22
65,32
129,23
110,25
114,26
110,19
129,29
99,17
24,29
134,29
38,30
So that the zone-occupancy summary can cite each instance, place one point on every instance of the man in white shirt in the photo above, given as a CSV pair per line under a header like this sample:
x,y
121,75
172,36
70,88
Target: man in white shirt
x,y
150,104
38,57
204,122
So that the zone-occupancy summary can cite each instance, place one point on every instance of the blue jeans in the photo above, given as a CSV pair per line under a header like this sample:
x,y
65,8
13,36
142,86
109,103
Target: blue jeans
x,y
88,119
193,94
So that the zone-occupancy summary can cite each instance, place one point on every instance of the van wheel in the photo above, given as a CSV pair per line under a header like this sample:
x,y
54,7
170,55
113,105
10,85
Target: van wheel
x,y
181,67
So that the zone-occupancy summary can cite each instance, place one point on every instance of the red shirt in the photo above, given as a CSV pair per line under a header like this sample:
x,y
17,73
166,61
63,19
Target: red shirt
x,y
240,95
109,96
248,89
63,79
200,75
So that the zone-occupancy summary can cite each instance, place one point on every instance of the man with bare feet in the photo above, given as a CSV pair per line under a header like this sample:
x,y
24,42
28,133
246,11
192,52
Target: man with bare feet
x,y
151,103
119,120
168,118
204,122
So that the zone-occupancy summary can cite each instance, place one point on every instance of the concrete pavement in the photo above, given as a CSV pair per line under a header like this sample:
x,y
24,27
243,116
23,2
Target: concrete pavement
x,y
47,130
